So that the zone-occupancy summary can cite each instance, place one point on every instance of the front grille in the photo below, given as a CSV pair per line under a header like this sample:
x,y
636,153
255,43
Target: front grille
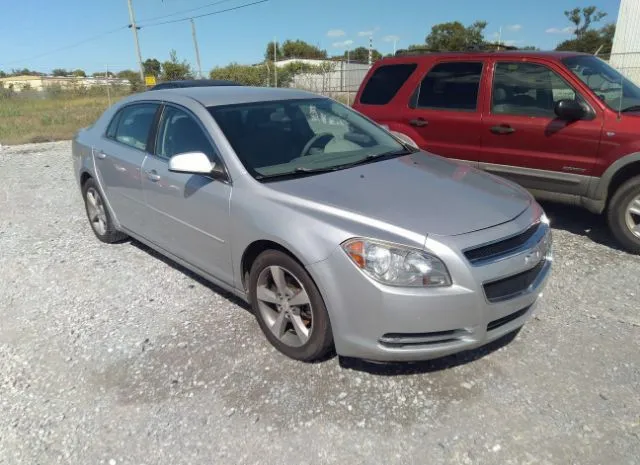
x,y
414,339
495,324
500,248
512,286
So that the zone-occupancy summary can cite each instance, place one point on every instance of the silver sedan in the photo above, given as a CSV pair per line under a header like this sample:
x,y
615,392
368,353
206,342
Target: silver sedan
x,y
338,233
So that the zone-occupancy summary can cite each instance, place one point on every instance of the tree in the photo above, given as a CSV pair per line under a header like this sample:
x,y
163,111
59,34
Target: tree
x,y
2,74
588,40
152,67
133,77
99,74
454,36
268,53
301,49
361,54
79,73
582,19
243,74
60,72
174,70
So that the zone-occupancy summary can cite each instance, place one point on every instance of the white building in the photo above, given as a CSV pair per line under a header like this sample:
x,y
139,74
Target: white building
x,y
625,55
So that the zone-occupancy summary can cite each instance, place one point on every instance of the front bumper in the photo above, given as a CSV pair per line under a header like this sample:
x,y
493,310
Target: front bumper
x,y
384,323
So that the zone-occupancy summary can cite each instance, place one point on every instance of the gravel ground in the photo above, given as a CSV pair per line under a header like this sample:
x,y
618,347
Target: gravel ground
x,y
112,355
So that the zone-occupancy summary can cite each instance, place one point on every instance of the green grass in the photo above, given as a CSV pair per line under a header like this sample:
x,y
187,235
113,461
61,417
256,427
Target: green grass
x,y
37,118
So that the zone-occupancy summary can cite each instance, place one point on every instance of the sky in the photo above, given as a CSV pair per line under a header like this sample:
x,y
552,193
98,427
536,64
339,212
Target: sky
x,y
92,34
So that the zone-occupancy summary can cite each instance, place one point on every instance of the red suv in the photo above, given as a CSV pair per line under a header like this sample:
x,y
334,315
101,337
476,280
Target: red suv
x,y
564,125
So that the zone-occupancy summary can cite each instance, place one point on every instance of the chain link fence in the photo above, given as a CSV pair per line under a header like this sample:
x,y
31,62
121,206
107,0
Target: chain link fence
x,y
338,80
627,63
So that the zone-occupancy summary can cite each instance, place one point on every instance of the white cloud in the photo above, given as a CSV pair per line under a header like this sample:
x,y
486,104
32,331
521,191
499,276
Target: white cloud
x,y
368,33
514,27
343,44
512,42
555,30
335,33
390,38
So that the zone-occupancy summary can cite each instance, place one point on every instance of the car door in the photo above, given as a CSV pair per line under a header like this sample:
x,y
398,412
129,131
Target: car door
x,y
190,211
445,110
118,161
522,138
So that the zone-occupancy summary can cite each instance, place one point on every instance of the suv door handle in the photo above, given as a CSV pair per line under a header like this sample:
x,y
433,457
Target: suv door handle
x,y
100,154
419,122
153,175
502,129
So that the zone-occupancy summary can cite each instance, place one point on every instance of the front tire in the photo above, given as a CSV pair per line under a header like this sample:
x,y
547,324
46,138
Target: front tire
x,y
98,214
623,215
289,307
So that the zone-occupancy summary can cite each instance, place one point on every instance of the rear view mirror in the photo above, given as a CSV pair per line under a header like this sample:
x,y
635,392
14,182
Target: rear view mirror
x,y
570,110
191,162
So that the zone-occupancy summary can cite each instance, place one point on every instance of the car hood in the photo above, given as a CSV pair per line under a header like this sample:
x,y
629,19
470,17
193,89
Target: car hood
x,y
422,193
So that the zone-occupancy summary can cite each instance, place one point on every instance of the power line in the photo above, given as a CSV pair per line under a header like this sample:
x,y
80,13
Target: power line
x,y
67,47
205,14
155,18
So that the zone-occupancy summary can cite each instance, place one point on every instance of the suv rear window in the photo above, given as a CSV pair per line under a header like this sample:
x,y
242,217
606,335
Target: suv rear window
x,y
385,82
451,86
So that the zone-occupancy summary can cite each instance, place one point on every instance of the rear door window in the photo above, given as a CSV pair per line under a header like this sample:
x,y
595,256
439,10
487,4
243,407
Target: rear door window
x,y
451,86
135,123
385,82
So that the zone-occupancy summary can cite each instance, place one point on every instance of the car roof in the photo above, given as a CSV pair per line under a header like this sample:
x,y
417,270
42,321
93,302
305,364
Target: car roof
x,y
404,56
194,83
230,95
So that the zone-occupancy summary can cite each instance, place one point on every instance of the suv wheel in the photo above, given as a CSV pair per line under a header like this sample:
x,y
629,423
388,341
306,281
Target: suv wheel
x,y
98,214
624,215
289,307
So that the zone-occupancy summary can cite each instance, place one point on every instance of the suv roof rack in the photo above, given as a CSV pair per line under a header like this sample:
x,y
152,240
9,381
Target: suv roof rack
x,y
488,47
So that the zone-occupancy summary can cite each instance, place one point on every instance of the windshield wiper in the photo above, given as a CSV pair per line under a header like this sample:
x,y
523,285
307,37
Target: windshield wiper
x,y
300,171
369,158
631,108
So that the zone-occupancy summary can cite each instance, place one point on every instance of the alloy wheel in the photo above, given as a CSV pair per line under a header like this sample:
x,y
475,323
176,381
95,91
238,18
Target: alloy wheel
x,y
96,211
632,216
284,305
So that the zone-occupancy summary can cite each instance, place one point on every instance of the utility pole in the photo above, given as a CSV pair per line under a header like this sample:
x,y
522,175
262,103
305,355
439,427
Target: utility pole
x,y
275,59
395,42
370,49
106,76
195,44
135,28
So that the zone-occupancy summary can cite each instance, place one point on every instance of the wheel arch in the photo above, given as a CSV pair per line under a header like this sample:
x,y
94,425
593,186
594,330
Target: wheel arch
x,y
618,173
254,249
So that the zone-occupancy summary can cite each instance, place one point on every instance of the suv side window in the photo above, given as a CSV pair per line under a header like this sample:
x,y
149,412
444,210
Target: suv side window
x,y
451,86
385,82
113,125
179,132
134,124
528,89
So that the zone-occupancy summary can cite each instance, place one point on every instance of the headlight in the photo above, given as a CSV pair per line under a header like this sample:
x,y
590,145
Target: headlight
x,y
397,265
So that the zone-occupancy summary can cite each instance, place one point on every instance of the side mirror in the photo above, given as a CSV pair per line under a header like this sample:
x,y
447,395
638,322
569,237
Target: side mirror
x,y
191,162
570,110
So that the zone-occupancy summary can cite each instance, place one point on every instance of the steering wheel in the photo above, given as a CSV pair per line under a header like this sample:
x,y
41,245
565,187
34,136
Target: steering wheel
x,y
322,137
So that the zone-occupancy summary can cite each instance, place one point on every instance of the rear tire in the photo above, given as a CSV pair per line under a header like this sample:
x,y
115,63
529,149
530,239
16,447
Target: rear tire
x,y
289,307
623,215
98,214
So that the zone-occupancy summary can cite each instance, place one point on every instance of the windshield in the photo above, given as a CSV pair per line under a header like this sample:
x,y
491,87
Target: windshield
x,y
616,91
274,139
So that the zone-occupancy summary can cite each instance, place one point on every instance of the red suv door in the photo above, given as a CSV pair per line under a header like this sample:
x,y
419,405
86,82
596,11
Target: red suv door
x,y
444,110
524,140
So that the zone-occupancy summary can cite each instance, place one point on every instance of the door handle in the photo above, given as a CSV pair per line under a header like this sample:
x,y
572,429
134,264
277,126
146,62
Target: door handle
x,y
502,129
152,175
419,122
100,154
